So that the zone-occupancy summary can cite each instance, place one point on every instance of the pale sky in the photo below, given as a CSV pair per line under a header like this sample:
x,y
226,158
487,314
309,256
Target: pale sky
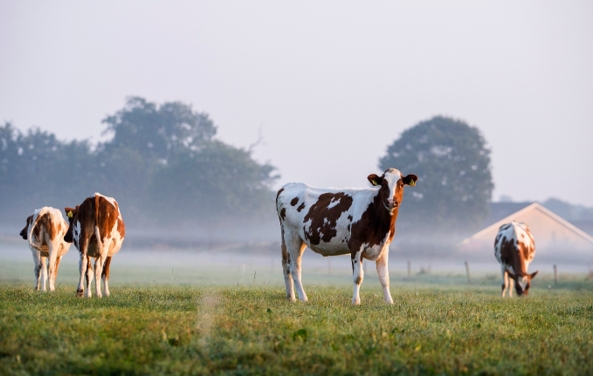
x,y
330,83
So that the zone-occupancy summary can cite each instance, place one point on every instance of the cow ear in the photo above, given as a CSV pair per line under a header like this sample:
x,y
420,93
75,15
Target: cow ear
x,y
374,179
410,180
533,274
70,212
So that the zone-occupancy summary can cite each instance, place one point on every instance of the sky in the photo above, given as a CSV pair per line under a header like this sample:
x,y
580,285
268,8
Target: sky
x,y
328,84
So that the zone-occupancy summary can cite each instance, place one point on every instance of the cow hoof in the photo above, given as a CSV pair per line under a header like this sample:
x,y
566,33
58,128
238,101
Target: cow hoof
x,y
356,302
79,293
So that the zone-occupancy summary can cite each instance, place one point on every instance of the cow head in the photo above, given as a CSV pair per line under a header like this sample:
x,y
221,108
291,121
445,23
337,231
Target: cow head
x,y
25,230
392,187
522,282
71,214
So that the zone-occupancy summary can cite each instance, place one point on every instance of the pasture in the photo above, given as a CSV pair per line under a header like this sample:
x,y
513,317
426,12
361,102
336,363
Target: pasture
x,y
216,319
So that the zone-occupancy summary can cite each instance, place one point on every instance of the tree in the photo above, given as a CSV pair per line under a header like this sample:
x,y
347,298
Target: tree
x,y
454,178
157,132
164,162
214,184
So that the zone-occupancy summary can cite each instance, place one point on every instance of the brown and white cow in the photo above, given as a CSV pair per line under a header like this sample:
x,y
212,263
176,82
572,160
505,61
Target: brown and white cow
x,y
97,230
514,249
331,222
45,231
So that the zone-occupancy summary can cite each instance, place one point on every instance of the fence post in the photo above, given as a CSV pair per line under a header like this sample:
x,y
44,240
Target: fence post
x,y
409,269
555,274
467,272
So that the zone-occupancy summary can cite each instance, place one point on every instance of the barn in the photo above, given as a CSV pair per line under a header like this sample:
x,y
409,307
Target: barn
x,y
555,237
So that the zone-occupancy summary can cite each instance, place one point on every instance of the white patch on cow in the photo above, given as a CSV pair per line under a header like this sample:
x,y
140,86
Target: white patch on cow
x,y
333,203
522,281
392,176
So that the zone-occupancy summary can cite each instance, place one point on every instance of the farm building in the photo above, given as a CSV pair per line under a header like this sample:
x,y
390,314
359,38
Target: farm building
x,y
553,235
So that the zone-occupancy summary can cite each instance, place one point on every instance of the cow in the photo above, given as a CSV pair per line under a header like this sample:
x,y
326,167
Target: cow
x,y
45,231
514,249
332,222
97,230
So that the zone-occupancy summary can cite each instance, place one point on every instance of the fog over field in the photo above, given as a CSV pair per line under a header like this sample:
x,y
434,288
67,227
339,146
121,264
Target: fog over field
x,y
193,114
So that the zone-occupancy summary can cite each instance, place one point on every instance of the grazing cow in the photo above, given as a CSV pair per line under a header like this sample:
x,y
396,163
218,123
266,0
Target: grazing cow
x,y
45,230
97,230
359,222
514,249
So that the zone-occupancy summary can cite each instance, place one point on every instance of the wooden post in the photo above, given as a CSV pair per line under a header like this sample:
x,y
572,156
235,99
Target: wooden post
x,y
555,274
409,269
467,272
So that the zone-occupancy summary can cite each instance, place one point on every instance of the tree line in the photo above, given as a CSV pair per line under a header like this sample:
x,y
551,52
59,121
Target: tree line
x,y
162,164
165,167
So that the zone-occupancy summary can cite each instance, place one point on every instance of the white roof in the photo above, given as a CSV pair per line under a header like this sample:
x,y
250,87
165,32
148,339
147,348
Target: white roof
x,y
545,226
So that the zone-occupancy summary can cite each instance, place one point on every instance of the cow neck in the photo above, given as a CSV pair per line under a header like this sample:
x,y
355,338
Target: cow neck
x,y
385,220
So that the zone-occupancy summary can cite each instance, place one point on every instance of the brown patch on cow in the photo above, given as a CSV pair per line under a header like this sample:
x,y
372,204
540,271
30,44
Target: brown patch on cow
x,y
121,227
57,265
301,207
283,213
105,272
375,223
323,218
44,223
294,201
106,214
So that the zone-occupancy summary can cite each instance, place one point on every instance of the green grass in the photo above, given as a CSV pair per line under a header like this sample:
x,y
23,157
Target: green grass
x,y
432,329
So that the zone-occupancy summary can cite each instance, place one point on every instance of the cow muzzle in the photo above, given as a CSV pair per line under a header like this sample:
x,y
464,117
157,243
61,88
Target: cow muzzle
x,y
391,205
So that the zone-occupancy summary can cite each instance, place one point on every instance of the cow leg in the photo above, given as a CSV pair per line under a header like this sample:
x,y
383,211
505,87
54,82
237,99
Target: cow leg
x,y
105,276
382,265
37,267
89,277
357,275
286,270
53,253
82,266
295,248
58,259
43,267
505,278
511,286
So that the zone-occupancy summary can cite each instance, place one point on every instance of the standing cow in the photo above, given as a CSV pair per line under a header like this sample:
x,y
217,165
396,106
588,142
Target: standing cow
x,y
97,230
45,230
331,222
514,249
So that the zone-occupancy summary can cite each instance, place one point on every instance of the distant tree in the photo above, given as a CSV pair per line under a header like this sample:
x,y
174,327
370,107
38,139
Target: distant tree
x,y
453,166
166,155
216,183
157,132
36,169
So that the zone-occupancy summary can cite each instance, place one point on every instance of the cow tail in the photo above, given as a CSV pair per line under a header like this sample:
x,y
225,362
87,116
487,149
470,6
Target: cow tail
x,y
97,198
285,256
31,231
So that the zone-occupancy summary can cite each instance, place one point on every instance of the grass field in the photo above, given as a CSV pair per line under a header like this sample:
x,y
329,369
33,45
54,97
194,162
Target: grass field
x,y
251,330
